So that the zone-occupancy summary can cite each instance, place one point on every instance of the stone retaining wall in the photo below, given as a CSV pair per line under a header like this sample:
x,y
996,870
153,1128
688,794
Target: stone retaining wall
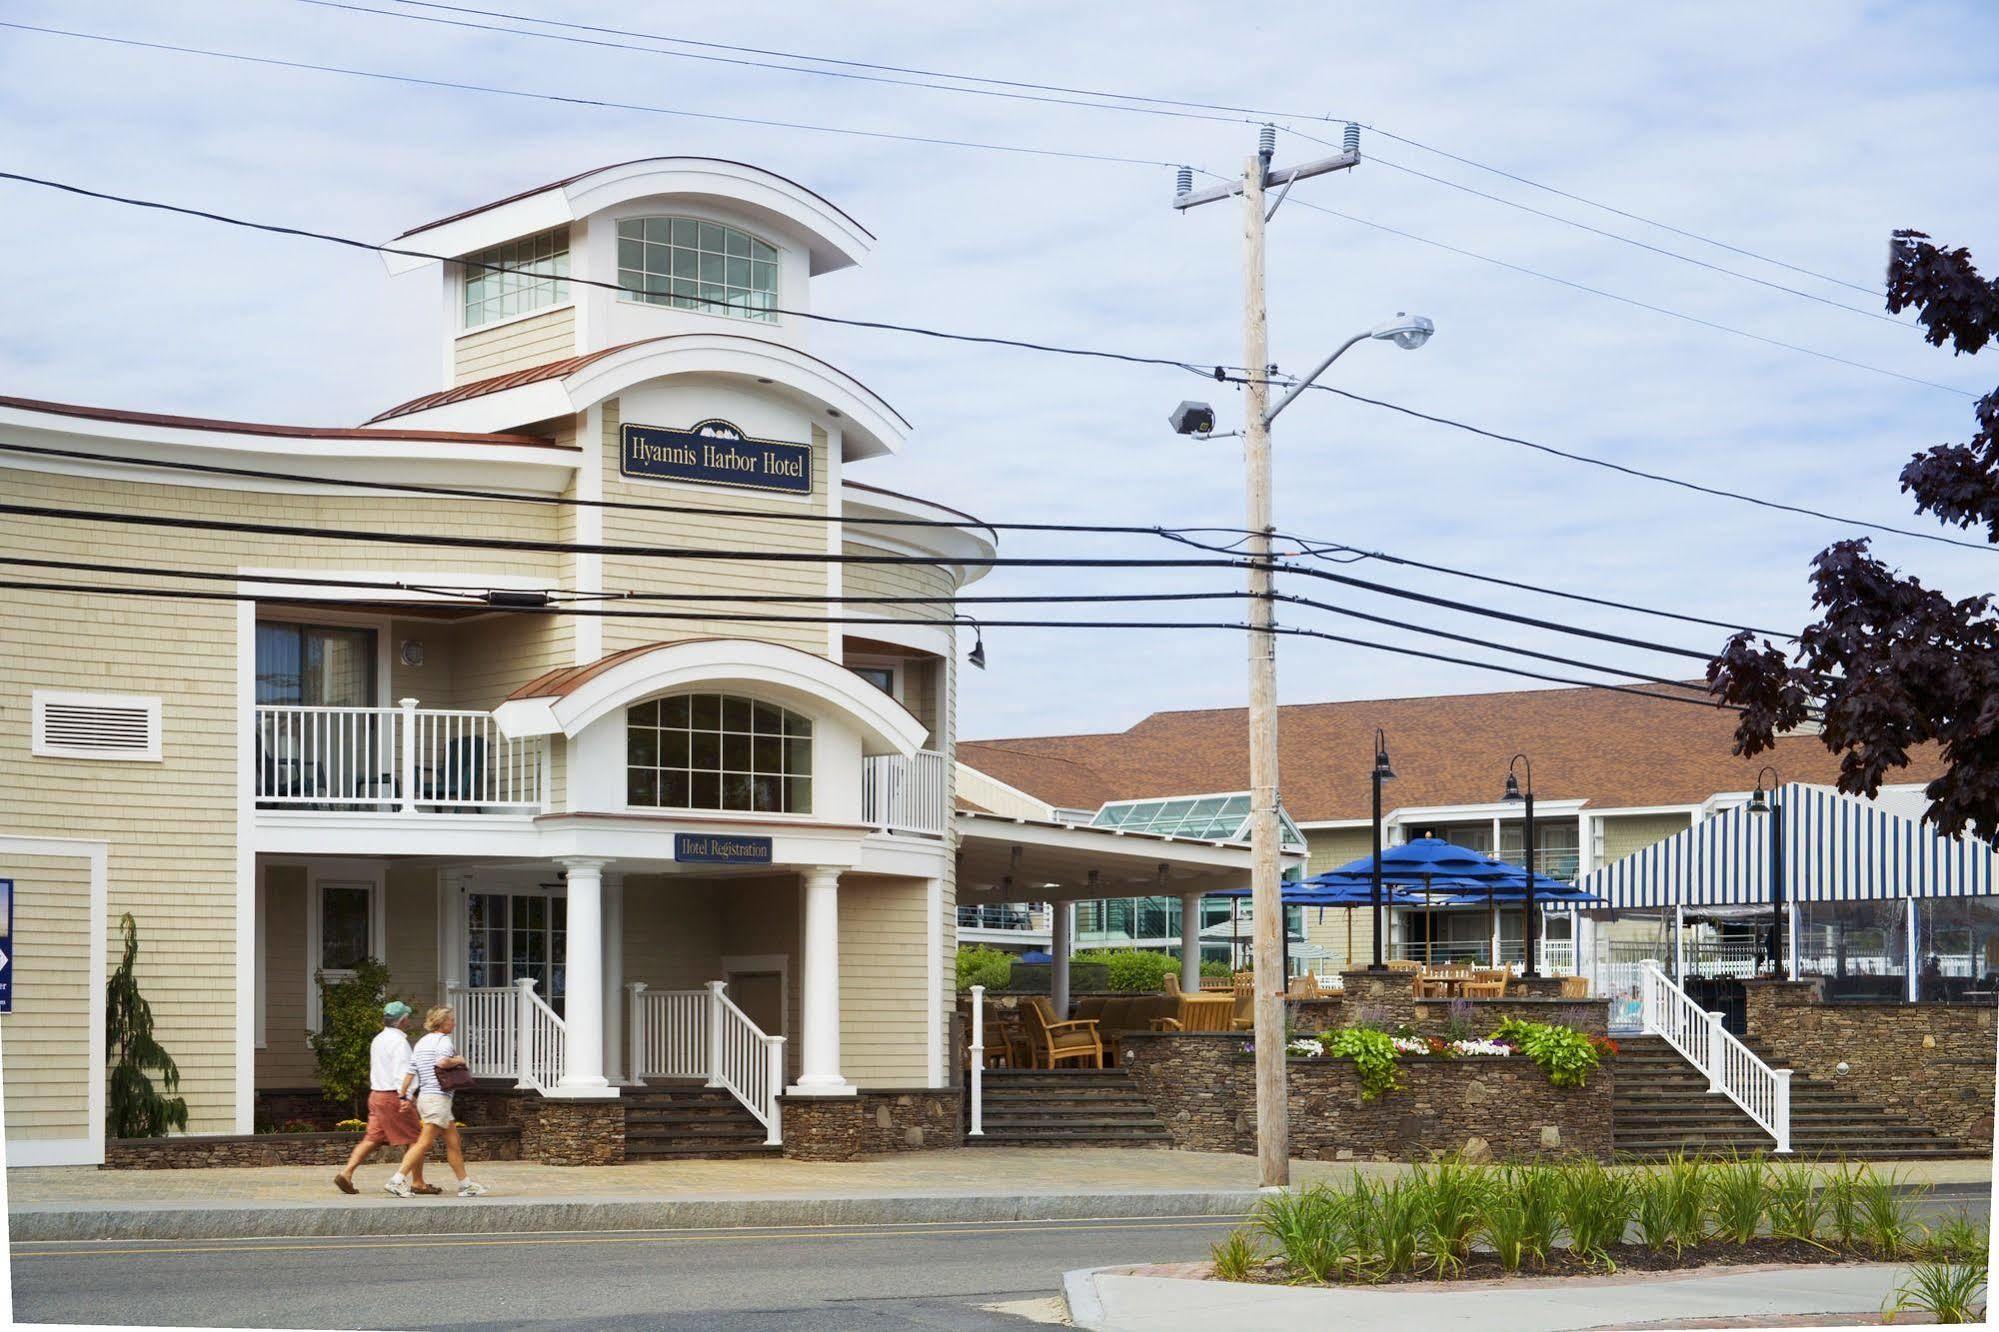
x,y
193,1151
841,1128
1934,1060
572,1133
1203,1086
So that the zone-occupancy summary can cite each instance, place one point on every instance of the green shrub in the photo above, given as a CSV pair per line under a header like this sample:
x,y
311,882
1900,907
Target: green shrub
x,y
1538,1189
1739,1193
984,966
1947,1292
350,1019
133,1109
1236,1256
1959,1239
1797,1204
1564,1054
1455,1197
1885,1204
1388,1225
1373,1055
1311,1229
1217,969
1131,970
1596,1208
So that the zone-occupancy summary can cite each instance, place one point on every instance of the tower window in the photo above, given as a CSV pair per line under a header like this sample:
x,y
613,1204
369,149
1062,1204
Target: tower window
x,y
527,274
695,265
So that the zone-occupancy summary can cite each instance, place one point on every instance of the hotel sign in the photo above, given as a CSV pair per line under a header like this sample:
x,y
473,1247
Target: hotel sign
x,y
715,453
720,849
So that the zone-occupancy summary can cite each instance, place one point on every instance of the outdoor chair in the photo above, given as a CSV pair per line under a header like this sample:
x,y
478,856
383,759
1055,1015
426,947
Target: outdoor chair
x,y
1056,1043
1217,983
462,775
1115,1014
1575,987
1304,987
1172,984
1245,1009
1199,1013
1483,989
1090,1007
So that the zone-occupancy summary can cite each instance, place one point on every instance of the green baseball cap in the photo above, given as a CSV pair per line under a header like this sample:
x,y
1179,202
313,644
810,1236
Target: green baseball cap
x,y
396,1008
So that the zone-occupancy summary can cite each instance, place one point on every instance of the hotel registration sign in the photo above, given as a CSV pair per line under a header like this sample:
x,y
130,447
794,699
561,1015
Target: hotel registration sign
x,y
715,453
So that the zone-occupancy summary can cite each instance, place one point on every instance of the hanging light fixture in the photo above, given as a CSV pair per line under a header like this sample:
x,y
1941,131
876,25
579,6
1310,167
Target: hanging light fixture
x,y
977,656
1382,772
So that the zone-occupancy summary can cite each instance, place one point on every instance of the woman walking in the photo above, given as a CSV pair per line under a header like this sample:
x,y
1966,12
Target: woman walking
x,y
433,1105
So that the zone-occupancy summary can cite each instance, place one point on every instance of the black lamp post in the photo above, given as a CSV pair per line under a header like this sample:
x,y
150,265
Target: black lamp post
x,y
1774,807
1513,793
1382,773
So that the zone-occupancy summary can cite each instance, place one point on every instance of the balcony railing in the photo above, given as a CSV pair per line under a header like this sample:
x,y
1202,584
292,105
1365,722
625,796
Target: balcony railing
x,y
907,795
998,917
402,760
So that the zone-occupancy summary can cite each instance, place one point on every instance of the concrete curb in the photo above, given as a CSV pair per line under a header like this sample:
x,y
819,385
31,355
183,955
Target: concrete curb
x,y
224,1220
1079,1292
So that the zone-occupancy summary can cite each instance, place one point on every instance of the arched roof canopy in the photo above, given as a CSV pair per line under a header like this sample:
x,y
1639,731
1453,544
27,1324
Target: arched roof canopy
x,y
564,702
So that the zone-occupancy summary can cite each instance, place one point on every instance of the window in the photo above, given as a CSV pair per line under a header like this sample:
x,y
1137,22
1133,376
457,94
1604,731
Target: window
x,y
491,293
511,935
881,677
718,751
694,265
344,925
315,665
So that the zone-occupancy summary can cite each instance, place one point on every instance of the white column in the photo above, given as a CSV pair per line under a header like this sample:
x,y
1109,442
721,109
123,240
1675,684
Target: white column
x,y
819,1050
1912,953
614,977
1190,942
583,1015
1063,934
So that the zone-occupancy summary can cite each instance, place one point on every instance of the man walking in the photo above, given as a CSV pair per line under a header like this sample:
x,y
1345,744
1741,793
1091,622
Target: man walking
x,y
391,1117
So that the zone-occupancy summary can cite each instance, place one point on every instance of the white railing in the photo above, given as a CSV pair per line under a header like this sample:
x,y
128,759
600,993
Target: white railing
x,y
906,795
395,760
506,1031
1732,1068
975,1058
702,1034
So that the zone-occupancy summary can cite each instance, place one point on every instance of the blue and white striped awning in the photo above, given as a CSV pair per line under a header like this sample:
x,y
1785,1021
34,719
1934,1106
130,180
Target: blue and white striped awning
x,y
1836,849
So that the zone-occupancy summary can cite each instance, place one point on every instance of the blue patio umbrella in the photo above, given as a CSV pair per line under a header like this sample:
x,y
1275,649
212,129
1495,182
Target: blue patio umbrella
x,y
1443,873
1038,955
1330,889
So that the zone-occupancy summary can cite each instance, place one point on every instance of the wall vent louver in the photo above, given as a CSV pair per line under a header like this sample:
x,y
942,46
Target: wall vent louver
x,y
96,726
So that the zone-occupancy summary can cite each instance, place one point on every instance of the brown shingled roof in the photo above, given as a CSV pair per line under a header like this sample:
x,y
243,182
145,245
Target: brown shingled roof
x,y
1615,750
286,431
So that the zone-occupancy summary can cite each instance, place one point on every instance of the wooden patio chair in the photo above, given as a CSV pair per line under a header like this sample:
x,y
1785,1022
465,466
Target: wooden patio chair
x,y
1483,989
1090,1007
1575,987
1304,987
1245,1009
1200,1013
1056,1043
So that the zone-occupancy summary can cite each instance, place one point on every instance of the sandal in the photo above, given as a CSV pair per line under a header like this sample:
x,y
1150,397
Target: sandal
x,y
344,1184
425,1188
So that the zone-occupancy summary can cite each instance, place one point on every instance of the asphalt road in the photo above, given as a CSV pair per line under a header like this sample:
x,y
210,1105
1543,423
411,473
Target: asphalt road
x,y
876,1277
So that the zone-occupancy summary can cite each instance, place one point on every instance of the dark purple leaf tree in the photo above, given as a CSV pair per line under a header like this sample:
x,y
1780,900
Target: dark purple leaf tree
x,y
1891,664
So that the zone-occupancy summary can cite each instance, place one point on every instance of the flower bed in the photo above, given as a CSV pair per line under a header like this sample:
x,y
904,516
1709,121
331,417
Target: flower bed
x,y
1455,1220
1566,1055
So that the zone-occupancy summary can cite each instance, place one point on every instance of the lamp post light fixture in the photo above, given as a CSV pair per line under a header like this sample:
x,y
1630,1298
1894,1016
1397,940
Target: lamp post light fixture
x,y
1382,773
1774,807
1515,793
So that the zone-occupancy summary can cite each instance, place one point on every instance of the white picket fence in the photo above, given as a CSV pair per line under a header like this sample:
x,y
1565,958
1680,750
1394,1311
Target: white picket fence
x,y
507,1031
702,1034
907,795
1732,1068
395,760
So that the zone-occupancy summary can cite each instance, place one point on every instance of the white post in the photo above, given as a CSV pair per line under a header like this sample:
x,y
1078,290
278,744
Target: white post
x,y
1679,945
1190,942
1912,955
819,1057
1717,1053
1063,932
408,755
1795,929
977,1051
583,1045
774,1073
523,1033
637,1065
614,977
1781,1110
715,989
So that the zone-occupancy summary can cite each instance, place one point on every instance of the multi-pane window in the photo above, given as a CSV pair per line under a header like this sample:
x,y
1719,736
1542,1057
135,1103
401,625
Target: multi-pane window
x,y
695,265
344,926
527,274
718,751
511,935
315,665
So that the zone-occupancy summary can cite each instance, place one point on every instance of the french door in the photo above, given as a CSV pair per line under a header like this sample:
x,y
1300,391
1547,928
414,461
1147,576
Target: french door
x,y
511,935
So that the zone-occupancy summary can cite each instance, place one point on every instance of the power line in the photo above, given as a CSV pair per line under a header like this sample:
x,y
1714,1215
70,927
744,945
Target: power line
x,y
600,102
187,594
1635,303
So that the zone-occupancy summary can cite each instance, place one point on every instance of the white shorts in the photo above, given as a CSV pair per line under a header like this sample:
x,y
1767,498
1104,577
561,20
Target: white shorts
x,y
434,1108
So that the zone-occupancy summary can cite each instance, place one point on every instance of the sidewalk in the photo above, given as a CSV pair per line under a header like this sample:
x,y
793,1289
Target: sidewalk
x,y
1115,1300
974,1184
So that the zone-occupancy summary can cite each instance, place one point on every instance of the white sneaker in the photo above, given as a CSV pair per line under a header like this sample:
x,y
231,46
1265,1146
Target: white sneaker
x,y
399,1186
471,1188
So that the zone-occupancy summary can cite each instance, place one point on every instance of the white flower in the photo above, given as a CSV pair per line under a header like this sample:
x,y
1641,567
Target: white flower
x,y
1307,1047
1411,1045
1480,1047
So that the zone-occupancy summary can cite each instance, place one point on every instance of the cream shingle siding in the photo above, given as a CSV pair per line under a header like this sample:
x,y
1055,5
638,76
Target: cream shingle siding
x,y
285,1060
536,340
1635,832
46,1058
883,1020
1331,847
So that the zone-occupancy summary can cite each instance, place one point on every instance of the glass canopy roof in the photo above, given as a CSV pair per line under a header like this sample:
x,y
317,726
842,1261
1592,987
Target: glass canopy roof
x,y
1218,818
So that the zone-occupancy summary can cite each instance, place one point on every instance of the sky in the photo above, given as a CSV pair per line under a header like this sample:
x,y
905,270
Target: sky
x,y
1805,133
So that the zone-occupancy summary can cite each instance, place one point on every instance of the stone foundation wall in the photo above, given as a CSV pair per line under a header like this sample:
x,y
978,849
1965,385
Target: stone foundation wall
x,y
572,1133
841,1128
1589,1016
194,1151
1936,1061
1203,1088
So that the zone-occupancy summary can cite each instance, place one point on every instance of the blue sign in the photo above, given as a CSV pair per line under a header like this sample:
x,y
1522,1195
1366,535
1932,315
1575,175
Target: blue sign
x,y
7,950
721,849
715,453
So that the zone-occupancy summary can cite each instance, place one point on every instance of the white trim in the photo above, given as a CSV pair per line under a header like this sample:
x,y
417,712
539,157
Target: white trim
x,y
836,536
465,331
40,746
933,977
382,626
263,932
275,583
87,1150
924,638
249,1005
589,629
372,874
1334,825
858,662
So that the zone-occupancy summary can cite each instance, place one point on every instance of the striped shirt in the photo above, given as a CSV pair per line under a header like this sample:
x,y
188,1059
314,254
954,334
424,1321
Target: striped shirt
x,y
423,1061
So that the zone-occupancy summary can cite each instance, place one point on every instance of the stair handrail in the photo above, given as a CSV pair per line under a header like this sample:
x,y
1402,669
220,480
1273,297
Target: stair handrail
x,y
1732,1068
541,1048
745,1060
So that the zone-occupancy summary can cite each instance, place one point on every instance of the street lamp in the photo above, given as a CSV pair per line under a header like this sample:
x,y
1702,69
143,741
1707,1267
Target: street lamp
x,y
1774,807
1514,793
1382,773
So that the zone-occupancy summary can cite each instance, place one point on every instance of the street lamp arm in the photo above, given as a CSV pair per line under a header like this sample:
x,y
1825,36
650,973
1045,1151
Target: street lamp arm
x,y
1317,370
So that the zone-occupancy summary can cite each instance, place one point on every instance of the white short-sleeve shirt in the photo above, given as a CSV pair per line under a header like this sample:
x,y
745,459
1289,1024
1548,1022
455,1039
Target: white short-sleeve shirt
x,y
388,1060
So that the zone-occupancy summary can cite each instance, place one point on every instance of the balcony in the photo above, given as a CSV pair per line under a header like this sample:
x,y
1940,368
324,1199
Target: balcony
x,y
405,760
907,795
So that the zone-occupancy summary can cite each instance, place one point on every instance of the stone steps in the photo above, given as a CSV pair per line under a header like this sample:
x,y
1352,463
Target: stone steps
x,y
690,1121
1074,1107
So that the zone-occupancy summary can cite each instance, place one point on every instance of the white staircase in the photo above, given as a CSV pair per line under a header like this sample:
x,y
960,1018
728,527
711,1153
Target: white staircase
x,y
1732,1068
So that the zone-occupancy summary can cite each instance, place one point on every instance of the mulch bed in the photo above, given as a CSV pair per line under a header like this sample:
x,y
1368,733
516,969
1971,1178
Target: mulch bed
x,y
1623,1258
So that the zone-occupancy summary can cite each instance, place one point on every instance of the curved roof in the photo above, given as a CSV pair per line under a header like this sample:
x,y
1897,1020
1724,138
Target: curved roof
x,y
286,431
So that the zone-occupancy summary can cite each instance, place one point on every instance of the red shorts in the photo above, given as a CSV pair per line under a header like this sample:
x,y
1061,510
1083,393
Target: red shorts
x,y
391,1119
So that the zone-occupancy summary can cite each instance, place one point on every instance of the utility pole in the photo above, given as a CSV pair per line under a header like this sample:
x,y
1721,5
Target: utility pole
x,y
1273,1137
